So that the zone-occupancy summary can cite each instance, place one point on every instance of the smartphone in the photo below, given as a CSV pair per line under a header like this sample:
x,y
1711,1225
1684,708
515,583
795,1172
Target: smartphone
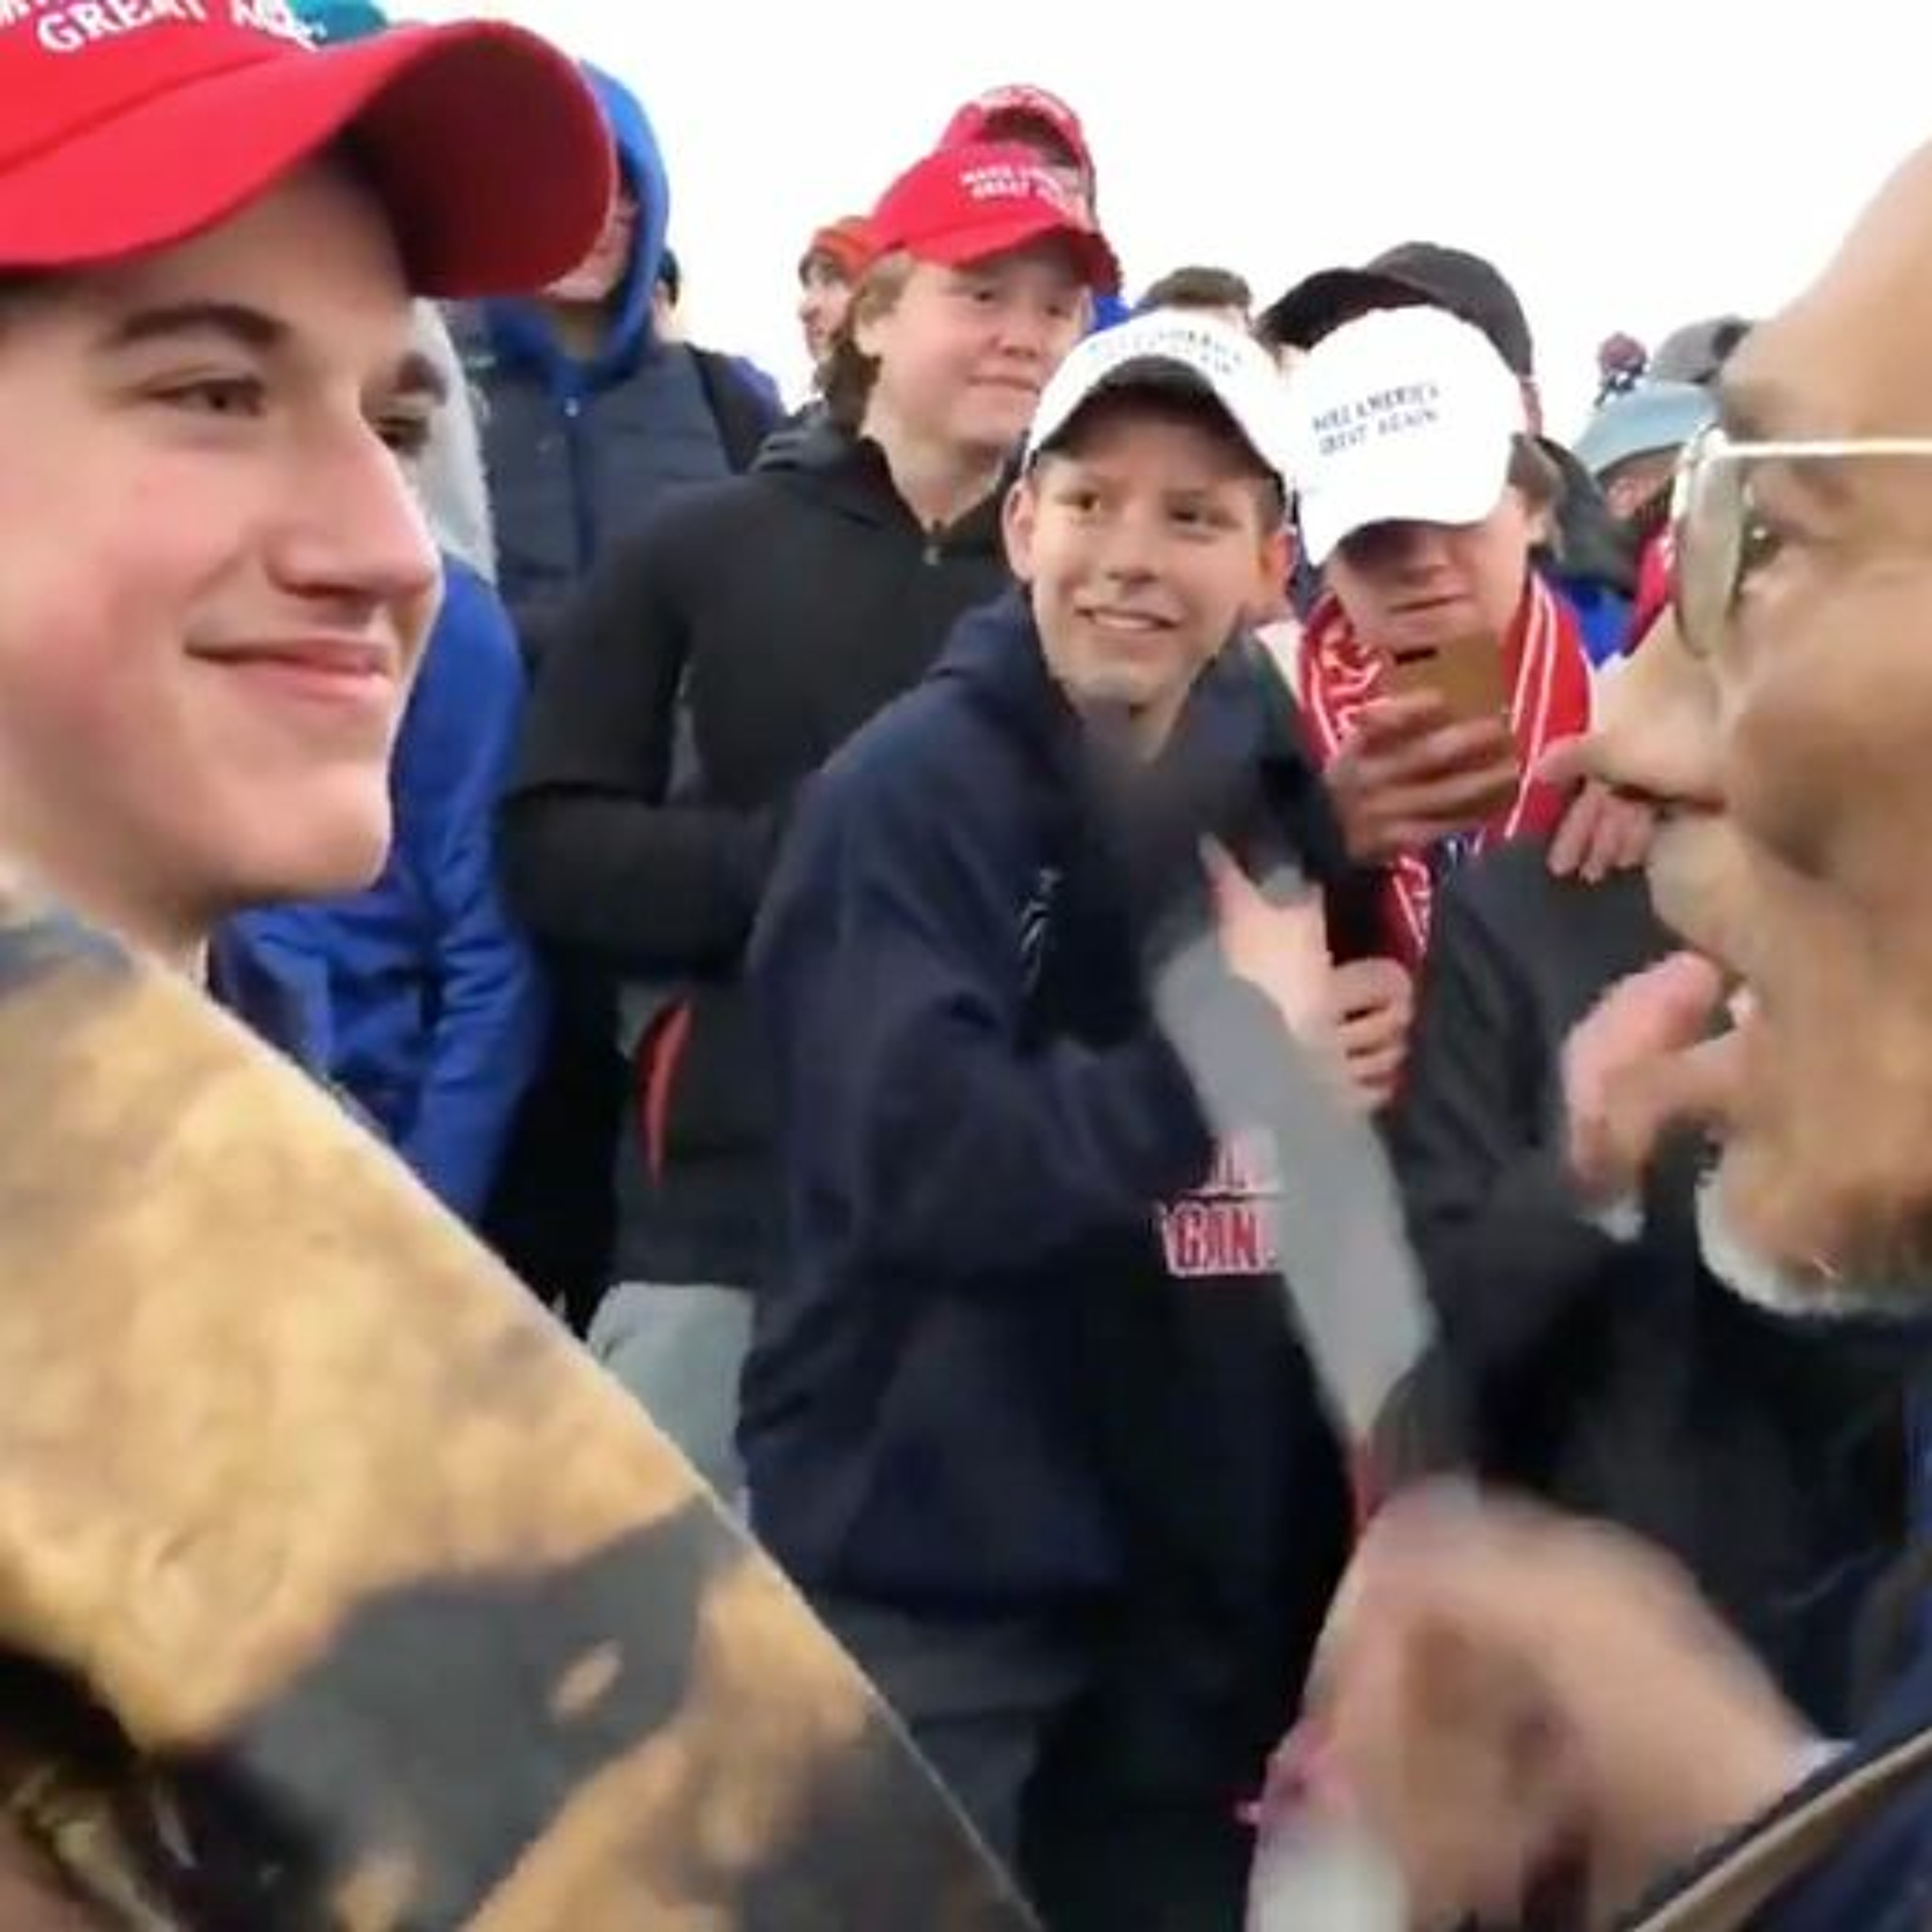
x,y
1467,672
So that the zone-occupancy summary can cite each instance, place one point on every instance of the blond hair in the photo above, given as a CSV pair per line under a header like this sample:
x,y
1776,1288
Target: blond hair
x,y
849,375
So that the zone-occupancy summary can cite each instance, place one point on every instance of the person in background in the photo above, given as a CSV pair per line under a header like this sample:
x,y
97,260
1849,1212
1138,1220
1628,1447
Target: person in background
x,y
589,421
588,418
1040,121
834,258
1025,1417
1631,445
1698,351
666,295
1202,291
424,999
1582,553
1622,362
1422,517
717,658
668,319
331,22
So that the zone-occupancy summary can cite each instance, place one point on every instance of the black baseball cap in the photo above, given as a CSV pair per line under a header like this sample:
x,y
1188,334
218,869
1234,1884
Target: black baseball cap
x,y
1416,274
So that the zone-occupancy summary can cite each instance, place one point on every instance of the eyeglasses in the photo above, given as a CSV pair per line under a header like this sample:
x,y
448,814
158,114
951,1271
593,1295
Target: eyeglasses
x,y
1716,535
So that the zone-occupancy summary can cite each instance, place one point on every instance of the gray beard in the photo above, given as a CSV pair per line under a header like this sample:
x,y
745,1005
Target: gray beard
x,y
1794,1297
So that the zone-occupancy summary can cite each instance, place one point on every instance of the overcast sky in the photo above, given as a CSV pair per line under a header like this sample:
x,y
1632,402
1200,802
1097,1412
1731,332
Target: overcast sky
x,y
1627,166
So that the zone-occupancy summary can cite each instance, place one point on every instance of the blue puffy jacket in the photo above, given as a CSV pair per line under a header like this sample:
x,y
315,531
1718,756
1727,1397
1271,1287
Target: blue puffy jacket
x,y
423,997
578,447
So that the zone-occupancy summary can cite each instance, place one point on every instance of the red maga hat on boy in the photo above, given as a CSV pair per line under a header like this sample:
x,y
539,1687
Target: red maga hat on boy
x,y
967,204
133,125
992,116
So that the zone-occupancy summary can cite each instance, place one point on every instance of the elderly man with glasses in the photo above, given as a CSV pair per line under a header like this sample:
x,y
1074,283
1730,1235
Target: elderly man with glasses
x,y
1509,1696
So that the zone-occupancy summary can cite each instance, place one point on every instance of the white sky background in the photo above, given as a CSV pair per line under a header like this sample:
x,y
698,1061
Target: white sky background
x,y
1631,164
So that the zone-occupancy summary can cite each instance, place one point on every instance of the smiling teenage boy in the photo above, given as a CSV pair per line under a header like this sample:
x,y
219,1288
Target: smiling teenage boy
x,y
214,583
1023,1405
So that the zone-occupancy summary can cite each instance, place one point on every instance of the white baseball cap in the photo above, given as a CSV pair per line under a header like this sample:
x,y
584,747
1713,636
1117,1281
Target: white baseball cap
x,y
1168,348
1403,415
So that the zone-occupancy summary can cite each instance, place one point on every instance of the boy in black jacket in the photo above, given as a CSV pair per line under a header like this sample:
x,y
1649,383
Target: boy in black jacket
x,y
1023,1415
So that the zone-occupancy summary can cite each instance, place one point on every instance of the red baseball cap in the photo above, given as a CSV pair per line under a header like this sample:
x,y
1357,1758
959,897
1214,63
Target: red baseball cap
x,y
966,204
135,124
848,244
990,116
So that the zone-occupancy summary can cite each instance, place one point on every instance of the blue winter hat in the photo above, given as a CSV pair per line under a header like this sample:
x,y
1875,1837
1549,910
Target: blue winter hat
x,y
332,21
1643,421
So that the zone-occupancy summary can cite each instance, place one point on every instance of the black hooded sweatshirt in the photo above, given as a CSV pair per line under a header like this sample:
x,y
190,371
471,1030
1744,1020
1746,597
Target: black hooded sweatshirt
x,y
1029,1349
712,662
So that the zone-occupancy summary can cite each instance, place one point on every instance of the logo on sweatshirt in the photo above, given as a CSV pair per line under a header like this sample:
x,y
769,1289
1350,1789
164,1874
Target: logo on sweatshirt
x,y
1226,1225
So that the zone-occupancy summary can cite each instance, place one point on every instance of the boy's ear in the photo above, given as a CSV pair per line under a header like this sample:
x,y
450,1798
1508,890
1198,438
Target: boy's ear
x,y
1277,561
1018,519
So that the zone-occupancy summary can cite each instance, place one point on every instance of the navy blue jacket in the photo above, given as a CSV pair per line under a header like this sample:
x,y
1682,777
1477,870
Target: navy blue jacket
x,y
1879,1878
425,1003
578,450
997,1374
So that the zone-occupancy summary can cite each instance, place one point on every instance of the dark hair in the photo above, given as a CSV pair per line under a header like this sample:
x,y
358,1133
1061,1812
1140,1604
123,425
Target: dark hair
x,y
1534,471
1167,403
19,285
1198,287
671,276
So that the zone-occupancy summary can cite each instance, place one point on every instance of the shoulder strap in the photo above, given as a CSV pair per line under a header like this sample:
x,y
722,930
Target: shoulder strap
x,y
742,421
1726,1897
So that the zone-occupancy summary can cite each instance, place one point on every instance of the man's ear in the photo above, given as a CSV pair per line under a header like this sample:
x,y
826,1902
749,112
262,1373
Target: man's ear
x,y
1019,519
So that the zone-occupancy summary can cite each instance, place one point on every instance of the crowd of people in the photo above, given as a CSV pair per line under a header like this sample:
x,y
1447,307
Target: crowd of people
x,y
730,851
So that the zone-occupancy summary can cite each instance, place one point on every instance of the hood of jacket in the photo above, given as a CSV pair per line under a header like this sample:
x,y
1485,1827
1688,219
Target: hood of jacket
x,y
521,331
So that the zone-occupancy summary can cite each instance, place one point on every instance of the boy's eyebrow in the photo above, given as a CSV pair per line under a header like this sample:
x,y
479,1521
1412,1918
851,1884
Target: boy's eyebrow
x,y
255,329
251,328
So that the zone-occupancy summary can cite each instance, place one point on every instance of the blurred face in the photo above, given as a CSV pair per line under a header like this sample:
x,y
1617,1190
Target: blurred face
x,y
214,583
964,353
1420,587
824,294
1145,547
596,278
1632,485
1797,757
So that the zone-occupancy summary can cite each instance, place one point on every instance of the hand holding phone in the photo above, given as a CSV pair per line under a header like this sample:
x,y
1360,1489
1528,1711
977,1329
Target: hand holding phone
x,y
1413,771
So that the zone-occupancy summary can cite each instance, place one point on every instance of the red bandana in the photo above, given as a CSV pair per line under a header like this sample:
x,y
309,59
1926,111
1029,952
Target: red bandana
x,y
1550,683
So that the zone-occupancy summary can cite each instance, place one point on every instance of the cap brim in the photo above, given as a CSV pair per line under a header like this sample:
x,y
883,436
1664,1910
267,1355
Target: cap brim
x,y
484,143
1167,374
1407,494
961,248
1317,306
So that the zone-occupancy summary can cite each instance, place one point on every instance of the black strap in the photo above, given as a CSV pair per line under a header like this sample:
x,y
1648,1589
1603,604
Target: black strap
x,y
743,417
